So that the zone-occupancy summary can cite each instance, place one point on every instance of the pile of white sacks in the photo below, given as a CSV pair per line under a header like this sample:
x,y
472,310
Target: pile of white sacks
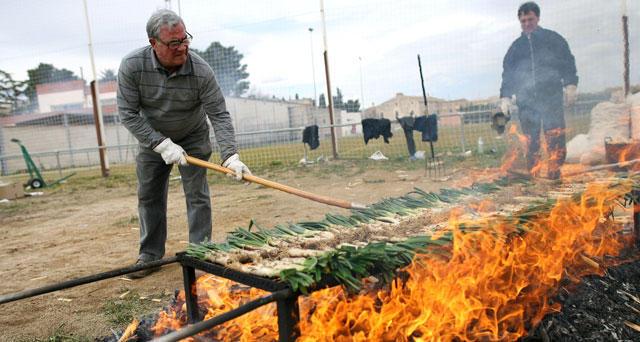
x,y
609,119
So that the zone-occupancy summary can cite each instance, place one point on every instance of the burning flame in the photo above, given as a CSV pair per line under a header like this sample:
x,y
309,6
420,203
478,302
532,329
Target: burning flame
x,y
554,156
624,152
220,295
494,284
522,143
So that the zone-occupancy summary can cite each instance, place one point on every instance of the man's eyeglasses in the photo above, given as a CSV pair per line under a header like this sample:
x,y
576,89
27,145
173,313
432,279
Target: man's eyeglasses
x,y
176,43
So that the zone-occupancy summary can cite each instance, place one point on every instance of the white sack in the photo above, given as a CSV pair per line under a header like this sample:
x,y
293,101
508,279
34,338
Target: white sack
x,y
608,119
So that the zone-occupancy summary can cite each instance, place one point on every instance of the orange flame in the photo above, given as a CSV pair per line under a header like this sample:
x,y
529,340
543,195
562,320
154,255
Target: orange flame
x,y
484,206
623,152
219,296
494,285
516,149
554,157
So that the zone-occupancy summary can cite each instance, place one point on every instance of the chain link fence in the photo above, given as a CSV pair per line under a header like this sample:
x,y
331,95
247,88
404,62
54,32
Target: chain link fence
x,y
268,59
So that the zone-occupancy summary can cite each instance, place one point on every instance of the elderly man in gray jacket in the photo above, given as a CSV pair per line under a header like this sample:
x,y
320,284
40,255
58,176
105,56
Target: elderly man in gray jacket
x,y
165,94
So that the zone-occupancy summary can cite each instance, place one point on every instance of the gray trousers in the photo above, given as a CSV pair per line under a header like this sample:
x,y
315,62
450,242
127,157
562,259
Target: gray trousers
x,y
153,184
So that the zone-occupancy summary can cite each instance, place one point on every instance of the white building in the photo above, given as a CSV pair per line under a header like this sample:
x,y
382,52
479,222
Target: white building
x,y
61,96
74,96
353,118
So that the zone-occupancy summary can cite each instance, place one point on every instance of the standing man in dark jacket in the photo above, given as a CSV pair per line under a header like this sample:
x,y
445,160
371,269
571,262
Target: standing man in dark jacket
x,y
165,95
536,68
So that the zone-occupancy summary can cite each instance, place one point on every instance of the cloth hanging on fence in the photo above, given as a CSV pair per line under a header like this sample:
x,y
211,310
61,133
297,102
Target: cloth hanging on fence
x,y
407,124
406,121
310,136
428,125
374,128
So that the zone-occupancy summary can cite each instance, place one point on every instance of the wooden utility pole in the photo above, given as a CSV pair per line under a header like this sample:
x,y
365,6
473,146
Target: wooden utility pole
x,y
101,148
95,95
334,141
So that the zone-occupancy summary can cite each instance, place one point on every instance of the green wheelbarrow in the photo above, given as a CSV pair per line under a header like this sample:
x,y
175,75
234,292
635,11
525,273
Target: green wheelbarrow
x,y
35,177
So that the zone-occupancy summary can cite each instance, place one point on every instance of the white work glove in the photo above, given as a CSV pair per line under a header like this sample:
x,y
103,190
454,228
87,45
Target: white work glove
x,y
237,166
570,95
170,152
505,106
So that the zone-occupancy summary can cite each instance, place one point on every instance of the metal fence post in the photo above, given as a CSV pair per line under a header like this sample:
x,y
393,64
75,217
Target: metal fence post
x,y
116,126
58,162
462,137
65,122
4,170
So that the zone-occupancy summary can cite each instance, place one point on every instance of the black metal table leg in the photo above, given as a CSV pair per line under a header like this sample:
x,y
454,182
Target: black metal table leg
x,y
288,319
190,295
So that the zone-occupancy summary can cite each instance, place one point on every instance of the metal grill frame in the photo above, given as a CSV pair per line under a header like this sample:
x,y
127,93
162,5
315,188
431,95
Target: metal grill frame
x,y
288,309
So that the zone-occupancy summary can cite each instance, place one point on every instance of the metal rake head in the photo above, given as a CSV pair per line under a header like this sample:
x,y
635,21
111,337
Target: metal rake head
x,y
434,167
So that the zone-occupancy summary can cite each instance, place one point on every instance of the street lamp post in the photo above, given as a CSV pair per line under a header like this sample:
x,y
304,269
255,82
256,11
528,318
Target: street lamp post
x,y
313,66
361,88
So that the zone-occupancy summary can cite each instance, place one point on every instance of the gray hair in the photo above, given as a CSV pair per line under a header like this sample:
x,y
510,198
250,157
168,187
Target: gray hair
x,y
160,18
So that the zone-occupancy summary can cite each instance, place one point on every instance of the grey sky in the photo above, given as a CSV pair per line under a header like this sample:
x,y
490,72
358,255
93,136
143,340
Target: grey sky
x,y
462,43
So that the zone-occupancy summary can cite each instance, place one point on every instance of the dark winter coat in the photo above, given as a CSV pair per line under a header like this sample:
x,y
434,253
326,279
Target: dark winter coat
x,y
535,69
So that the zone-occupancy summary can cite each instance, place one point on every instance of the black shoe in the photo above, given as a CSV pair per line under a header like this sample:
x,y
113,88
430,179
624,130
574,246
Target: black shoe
x,y
142,273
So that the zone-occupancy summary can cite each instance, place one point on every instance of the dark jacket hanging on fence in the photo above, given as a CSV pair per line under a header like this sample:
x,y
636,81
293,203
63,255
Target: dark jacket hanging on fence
x,y
407,124
310,136
374,128
428,125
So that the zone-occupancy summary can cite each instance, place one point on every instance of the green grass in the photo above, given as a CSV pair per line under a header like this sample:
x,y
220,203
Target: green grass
x,y
61,334
121,311
289,153
450,141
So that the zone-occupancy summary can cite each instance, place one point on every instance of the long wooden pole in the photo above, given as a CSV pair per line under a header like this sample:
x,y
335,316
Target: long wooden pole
x,y
624,164
270,184
97,105
334,140
625,39
102,152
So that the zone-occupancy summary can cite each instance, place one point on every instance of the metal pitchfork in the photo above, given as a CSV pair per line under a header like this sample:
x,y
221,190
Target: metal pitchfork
x,y
434,167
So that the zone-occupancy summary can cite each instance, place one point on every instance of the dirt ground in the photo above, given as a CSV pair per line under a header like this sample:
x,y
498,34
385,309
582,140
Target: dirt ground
x,y
90,225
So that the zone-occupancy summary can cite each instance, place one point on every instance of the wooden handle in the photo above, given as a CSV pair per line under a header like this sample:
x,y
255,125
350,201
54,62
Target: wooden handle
x,y
270,184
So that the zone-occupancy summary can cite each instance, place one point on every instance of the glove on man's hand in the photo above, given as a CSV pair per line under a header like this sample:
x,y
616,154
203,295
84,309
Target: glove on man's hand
x,y
570,95
237,166
505,106
170,152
